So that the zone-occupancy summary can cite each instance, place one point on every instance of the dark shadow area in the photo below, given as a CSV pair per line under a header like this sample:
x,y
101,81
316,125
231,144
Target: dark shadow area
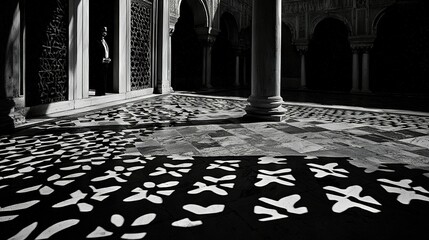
x,y
329,61
224,51
290,68
249,197
187,52
7,12
400,57
383,101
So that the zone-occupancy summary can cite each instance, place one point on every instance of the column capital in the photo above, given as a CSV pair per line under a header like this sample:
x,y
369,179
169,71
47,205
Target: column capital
x,y
302,50
173,20
361,43
207,40
301,46
171,30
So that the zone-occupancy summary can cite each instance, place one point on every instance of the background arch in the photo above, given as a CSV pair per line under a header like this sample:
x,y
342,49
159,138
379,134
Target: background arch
x,y
200,12
315,22
329,61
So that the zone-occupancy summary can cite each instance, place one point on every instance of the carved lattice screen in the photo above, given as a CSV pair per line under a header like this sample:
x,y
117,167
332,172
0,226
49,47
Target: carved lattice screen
x,y
141,44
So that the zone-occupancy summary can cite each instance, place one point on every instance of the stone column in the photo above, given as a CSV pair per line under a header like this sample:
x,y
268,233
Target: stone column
x,y
303,52
170,67
163,83
208,42
365,70
355,70
79,48
265,101
237,67
121,69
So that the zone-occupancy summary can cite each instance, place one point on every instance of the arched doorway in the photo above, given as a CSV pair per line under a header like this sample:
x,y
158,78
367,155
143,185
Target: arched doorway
x,y
290,60
329,57
225,51
187,51
400,57
101,15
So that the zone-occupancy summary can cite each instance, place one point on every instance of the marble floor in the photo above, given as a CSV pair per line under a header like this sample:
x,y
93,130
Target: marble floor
x,y
189,167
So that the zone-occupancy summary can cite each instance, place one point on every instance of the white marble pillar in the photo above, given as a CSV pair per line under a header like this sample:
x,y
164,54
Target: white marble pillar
x,y
78,49
365,71
163,84
265,101
355,71
170,67
121,42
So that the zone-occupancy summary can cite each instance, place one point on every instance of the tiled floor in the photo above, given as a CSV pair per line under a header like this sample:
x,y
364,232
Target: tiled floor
x,y
188,167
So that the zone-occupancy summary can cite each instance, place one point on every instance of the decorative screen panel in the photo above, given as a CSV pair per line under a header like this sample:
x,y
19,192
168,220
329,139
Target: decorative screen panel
x,y
141,45
53,61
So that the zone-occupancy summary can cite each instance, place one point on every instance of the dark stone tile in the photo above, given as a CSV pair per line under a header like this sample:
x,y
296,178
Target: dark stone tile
x,y
422,152
369,129
410,134
393,135
150,149
220,133
232,126
314,129
291,129
374,138
199,145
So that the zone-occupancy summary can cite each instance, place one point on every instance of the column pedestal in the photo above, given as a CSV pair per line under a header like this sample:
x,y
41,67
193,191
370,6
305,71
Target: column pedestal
x,y
265,101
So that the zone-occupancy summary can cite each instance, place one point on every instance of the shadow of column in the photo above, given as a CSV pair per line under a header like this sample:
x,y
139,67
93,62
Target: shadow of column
x,y
8,13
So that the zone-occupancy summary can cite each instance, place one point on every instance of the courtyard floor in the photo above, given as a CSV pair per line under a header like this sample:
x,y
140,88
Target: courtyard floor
x,y
184,166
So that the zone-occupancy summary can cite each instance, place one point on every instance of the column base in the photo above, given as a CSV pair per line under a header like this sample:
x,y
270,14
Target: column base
x,y
266,109
355,90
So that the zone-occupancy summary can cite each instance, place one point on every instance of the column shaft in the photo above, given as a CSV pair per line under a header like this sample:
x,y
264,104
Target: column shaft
x,y
207,64
365,72
237,70
355,72
303,72
164,85
265,101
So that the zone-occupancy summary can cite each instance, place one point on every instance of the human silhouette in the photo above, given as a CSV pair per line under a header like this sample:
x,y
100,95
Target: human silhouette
x,y
102,61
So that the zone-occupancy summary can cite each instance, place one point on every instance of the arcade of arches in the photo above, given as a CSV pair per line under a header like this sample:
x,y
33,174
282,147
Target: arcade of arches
x,y
160,46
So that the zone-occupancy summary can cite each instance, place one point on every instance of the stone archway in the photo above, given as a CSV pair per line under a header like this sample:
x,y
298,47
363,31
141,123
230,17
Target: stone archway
x,y
200,12
399,60
186,48
329,57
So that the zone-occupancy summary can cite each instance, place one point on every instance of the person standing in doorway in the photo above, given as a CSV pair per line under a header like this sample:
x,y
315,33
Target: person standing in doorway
x,y
103,60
